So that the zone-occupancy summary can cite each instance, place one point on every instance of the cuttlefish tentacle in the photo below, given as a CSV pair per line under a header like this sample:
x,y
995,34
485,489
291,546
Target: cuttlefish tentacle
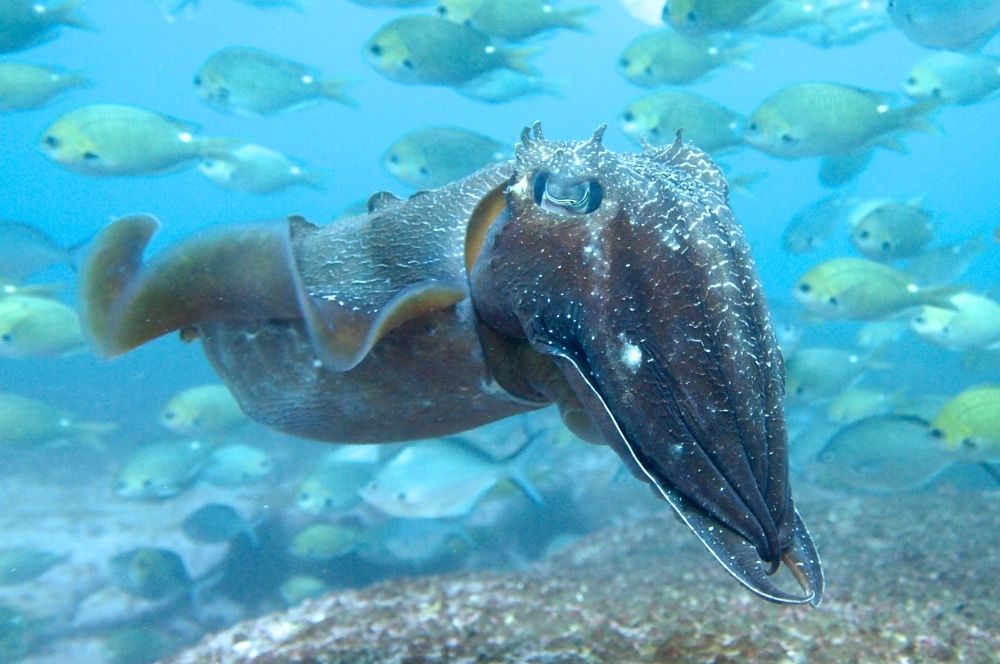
x,y
234,273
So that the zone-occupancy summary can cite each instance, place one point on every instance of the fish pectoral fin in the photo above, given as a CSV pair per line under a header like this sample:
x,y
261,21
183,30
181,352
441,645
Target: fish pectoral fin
x,y
343,337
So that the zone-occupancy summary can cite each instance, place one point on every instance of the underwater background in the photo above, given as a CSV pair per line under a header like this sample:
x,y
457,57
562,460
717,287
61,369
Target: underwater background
x,y
59,496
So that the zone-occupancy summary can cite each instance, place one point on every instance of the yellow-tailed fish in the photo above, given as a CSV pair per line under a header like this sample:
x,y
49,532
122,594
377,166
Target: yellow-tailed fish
x,y
427,50
968,426
254,82
820,119
114,140
862,289
25,87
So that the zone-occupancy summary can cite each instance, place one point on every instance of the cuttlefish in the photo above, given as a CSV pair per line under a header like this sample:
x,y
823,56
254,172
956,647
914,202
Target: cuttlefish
x,y
617,286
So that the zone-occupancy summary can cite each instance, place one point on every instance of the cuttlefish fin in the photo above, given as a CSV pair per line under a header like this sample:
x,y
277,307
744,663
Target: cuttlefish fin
x,y
230,273
343,335
342,338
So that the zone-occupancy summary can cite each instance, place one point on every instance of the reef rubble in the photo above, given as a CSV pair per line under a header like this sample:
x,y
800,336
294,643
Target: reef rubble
x,y
910,578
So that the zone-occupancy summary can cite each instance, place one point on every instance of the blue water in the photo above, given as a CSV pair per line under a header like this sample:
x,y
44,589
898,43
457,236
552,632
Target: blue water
x,y
138,58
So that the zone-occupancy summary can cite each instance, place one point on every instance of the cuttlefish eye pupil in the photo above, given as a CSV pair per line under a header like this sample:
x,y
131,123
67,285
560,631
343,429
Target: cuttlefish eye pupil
x,y
576,198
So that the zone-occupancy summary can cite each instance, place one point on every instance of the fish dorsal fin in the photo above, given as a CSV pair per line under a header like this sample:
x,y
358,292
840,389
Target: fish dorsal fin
x,y
382,200
489,209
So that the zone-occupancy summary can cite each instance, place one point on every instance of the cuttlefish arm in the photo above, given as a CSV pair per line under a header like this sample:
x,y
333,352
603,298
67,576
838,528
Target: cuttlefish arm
x,y
630,274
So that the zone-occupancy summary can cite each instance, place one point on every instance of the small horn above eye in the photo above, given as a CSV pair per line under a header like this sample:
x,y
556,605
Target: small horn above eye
x,y
599,134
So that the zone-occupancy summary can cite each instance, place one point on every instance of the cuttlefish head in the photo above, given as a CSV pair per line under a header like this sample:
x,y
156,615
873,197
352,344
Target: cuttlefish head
x,y
630,272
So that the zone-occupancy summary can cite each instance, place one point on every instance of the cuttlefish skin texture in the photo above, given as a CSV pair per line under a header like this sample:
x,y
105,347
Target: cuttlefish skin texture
x,y
617,285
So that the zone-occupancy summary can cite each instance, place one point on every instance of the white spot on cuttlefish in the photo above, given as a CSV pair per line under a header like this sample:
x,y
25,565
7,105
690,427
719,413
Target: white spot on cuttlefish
x,y
631,355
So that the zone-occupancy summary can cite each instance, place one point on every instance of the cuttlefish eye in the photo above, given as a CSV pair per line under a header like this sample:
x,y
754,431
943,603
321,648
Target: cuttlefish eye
x,y
581,197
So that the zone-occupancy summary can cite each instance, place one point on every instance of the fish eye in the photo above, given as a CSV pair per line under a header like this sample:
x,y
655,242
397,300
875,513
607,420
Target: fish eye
x,y
692,17
752,126
937,433
7,338
441,9
304,495
623,63
328,502
648,71
401,496
197,80
655,131
832,300
886,245
169,415
90,156
51,141
147,483
578,198
804,287
799,391
911,80
787,138
969,444
628,116
936,92
408,63
394,158
864,235
919,320
375,49
423,170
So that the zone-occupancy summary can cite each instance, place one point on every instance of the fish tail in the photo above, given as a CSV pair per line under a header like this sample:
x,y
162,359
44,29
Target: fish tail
x,y
516,59
78,79
68,13
552,86
939,296
573,17
516,469
92,434
217,148
333,89
744,182
314,179
738,52
918,117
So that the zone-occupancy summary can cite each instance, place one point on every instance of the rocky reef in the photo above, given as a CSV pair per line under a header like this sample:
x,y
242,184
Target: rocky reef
x,y
909,578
